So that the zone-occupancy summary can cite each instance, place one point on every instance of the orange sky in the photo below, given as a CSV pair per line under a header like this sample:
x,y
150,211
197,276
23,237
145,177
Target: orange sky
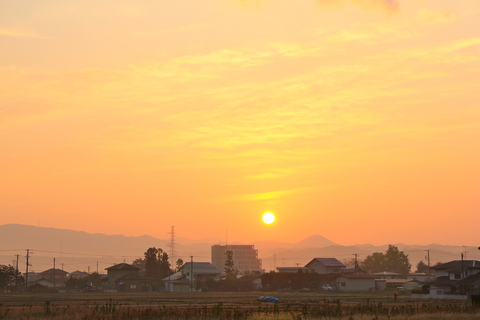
x,y
358,120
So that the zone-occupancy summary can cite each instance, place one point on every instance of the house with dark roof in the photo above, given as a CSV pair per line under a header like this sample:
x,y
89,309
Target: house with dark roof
x,y
250,282
55,275
51,278
192,276
325,265
78,275
118,271
133,282
456,279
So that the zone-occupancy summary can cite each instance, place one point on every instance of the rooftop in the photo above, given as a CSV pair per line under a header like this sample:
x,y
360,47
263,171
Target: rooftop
x,y
122,266
327,262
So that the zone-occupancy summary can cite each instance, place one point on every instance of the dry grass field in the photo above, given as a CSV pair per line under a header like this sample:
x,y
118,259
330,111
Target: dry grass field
x,y
294,306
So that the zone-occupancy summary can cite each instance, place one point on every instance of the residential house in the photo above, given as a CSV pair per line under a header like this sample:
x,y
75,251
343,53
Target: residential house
x,y
78,275
51,278
133,282
117,272
453,280
55,275
325,266
251,282
191,277
355,282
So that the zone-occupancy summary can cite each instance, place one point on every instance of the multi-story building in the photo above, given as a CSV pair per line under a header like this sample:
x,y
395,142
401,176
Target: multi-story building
x,y
245,258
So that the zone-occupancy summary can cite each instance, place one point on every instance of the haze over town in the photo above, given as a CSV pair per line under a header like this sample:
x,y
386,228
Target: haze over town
x,y
355,120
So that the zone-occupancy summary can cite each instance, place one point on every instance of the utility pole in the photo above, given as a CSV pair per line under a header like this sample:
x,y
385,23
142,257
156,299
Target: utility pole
x,y
356,260
428,258
463,281
16,274
274,261
26,268
54,274
97,266
191,273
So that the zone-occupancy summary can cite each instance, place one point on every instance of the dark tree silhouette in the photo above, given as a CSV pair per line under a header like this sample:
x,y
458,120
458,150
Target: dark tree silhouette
x,y
8,276
422,267
156,263
393,260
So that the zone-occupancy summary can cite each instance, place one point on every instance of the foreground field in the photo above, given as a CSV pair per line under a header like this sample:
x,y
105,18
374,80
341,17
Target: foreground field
x,y
294,306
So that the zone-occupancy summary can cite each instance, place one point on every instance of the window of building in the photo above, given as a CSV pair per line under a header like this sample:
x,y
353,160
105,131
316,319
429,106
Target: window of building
x,y
342,284
457,275
133,286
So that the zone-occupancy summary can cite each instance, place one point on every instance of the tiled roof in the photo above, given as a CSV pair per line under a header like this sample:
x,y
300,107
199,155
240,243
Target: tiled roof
x,y
470,280
327,262
51,271
249,277
122,266
457,265
356,276
201,268
132,276
386,273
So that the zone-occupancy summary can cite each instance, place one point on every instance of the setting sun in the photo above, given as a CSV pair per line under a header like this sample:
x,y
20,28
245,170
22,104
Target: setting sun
x,y
268,217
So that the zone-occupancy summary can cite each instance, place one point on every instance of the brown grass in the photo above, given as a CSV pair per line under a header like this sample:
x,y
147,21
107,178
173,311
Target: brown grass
x,y
235,306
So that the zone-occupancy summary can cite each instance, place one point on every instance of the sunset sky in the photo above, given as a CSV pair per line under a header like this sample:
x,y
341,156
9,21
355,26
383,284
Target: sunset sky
x,y
358,120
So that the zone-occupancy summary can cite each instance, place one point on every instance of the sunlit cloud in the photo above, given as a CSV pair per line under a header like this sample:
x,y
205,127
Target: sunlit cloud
x,y
271,195
387,5
12,33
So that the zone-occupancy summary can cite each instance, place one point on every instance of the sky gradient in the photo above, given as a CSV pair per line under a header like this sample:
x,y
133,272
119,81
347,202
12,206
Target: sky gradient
x,y
357,120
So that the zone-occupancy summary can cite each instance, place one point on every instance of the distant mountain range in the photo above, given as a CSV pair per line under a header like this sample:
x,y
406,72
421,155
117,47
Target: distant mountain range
x,y
78,250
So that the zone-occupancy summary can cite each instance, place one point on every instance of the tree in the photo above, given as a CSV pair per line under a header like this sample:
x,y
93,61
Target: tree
x,y
397,261
82,283
9,276
349,262
422,267
156,263
393,260
139,263
179,263
229,266
374,263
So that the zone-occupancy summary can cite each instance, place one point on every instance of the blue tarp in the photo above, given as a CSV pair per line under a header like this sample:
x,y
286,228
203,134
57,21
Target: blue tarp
x,y
268,299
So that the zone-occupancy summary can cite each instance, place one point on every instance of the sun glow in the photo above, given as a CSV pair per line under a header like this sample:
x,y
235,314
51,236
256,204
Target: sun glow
x,y
268,217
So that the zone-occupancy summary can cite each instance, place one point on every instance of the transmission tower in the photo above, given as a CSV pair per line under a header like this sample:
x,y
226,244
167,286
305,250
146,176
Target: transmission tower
x,y
172,245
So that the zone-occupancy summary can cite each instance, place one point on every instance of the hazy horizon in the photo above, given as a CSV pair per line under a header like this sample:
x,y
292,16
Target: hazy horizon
x,y
355,120
79,250
213,240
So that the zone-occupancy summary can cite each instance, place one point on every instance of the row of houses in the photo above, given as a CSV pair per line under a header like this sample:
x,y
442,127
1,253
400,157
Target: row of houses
x,y
126,277
454,279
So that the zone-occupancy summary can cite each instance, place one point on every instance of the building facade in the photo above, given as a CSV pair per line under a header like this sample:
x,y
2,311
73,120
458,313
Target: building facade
x,y
245,258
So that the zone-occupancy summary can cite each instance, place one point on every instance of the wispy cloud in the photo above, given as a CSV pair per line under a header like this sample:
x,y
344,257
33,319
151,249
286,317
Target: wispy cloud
x,y
387,5
11,33
271,195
